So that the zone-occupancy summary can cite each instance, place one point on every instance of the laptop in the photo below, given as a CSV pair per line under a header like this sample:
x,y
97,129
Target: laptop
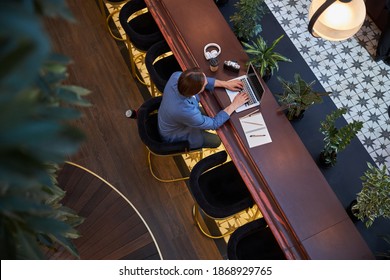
x,y
252,86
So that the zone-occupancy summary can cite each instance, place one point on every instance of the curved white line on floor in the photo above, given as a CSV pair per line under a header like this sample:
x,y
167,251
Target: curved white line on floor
x,y
124,197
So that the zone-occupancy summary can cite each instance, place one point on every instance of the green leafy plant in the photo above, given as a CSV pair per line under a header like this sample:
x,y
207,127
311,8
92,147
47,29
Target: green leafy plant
x,y
373,200
263,57
247,18
336,139
36,137
298,96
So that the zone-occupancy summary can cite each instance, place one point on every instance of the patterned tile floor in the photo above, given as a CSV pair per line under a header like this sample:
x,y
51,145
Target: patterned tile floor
x,y
347,69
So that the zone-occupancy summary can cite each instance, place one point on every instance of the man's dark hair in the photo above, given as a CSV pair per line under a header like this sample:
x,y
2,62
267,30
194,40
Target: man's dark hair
x,y
191,82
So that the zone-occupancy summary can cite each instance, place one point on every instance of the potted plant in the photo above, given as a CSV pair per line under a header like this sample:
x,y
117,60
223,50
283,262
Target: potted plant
x,y
336,139
297,97
373,201
263,57
247,18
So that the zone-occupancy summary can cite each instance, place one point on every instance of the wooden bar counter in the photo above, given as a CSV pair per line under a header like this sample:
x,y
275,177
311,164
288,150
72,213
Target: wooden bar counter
x,y
297,202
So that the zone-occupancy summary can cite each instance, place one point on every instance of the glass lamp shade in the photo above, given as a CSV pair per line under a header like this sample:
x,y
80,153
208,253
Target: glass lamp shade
x,y
340,20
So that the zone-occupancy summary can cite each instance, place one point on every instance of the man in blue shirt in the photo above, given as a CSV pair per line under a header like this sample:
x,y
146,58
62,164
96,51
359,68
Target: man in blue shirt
x,y
179,115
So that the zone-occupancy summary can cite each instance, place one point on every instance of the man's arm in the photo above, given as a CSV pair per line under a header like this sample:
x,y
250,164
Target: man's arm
x,y
233,85
240,99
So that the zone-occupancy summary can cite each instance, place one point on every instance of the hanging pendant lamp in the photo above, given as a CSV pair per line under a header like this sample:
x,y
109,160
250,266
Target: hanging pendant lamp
x,y
336,20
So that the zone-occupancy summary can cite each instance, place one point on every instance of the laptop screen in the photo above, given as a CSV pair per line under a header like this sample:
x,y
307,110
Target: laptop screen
x,y
252,85
255,82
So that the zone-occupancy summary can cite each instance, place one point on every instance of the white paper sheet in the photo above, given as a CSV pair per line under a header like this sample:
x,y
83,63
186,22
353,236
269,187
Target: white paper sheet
x,y
255,130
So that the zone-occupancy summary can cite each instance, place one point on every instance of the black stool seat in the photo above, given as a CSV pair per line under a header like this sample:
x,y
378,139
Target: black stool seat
x,y
160,70
218,190
254,241
141,30
147,120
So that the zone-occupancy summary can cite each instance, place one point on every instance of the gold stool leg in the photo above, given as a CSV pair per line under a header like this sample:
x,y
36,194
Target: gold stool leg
x,y
110,16
161,179
133,59
195,216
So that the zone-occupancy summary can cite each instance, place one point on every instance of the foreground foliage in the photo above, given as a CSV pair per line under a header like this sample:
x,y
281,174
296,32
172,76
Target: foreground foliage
x,y
35,134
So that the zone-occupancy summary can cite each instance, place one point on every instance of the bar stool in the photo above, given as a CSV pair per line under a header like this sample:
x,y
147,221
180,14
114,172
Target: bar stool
x,y
161,64
218,191
254,241
141,31
116,5
147,122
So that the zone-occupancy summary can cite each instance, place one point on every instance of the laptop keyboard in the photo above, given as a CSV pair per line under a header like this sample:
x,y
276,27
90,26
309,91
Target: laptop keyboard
x,y
247,89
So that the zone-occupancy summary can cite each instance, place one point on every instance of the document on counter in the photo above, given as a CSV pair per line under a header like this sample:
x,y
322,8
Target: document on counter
x,y
255,130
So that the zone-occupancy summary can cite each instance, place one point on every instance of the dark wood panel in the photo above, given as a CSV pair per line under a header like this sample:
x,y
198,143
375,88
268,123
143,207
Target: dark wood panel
x,y
113,149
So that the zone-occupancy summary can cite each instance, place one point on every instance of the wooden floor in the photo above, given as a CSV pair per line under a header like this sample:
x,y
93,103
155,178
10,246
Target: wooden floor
x,y
112,227
113,149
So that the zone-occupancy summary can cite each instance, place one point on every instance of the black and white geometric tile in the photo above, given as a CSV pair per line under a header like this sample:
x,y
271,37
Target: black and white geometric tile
x,y
346,69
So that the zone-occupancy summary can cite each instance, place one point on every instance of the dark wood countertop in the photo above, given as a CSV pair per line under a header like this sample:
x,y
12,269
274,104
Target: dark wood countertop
x,y
297,202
